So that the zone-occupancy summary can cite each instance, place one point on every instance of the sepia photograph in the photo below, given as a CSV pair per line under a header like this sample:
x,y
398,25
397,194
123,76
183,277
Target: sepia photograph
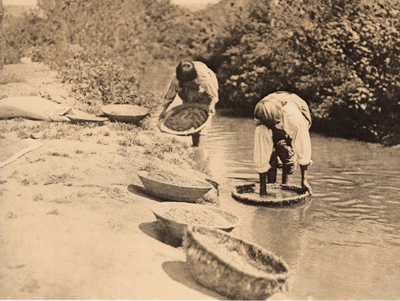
x,y
199,149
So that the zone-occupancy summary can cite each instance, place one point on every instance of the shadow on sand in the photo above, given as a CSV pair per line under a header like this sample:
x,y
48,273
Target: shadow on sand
x,y
156,231
141,191
179,271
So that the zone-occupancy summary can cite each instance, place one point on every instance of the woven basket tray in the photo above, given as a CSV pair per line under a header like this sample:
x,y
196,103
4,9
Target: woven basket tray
x,y
172,192
175,217
232,267
86,118
189,119
125,113
250,194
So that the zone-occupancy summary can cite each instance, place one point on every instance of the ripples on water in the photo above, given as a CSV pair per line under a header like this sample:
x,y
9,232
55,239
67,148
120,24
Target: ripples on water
x,y
343,243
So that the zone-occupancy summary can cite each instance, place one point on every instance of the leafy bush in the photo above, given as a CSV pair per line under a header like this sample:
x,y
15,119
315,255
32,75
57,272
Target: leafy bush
x,y
104,48
99,81
340,56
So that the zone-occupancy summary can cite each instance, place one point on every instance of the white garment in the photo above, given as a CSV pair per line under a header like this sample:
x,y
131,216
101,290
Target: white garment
x,y
285,97
296,126
206,81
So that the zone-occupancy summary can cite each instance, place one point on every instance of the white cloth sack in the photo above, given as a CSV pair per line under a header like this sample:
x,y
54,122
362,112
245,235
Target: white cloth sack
x,y
32,107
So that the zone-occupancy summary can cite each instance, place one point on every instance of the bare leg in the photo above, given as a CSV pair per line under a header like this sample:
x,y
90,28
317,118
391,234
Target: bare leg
x,y
271,174
263,183
196,139
285,176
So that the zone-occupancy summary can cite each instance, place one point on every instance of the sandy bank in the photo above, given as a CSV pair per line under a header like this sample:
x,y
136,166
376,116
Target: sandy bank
x,y
74,222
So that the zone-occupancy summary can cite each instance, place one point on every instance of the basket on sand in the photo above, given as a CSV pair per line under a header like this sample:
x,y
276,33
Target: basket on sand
x,y
232,267
125,112
168,188
175,217
277,194
185,119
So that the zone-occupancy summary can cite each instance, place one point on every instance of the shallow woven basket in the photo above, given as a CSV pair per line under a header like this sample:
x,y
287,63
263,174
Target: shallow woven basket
x,y
233,267
86,118
185,106
172,192
244,193
176,227
125,113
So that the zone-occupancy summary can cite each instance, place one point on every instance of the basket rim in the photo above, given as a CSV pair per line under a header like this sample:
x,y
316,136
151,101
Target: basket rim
x,y
191,229
82,118
164,129
160,208
284,201
105,110
144,174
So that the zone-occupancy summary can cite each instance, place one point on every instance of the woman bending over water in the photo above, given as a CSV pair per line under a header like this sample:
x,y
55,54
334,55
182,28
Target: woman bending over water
x,y
282,138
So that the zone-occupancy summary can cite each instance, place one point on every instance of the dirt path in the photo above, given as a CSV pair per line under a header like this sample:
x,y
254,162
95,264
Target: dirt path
x,y
74,222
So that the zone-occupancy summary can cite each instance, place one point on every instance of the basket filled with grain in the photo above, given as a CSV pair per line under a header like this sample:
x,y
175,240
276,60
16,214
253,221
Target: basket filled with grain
x,y
174,217
169,186
232,267
277,194
185,119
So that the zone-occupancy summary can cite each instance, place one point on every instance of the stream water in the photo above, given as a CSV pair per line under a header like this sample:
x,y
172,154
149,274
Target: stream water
x,y
344,243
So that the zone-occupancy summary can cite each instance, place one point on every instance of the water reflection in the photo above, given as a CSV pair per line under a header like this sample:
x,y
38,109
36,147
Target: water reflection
x,y
345,244
280,231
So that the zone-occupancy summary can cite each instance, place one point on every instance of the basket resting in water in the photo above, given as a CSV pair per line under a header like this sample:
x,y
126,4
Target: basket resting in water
x,y
250,194
233,267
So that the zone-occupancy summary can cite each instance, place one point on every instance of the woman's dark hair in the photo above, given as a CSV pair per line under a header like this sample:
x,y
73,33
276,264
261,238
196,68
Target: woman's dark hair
x,y
185,71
